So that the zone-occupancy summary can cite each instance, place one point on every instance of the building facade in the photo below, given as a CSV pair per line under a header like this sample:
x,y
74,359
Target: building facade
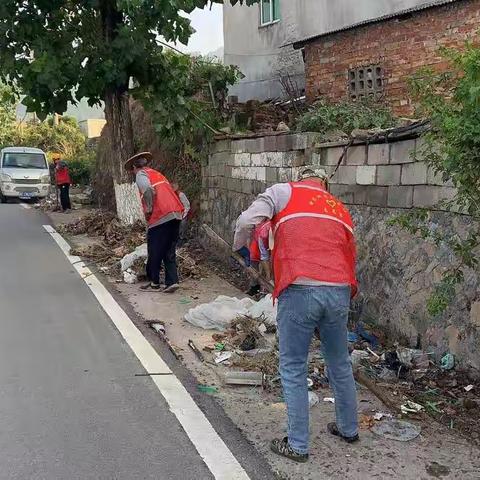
x,y
377,58
259,39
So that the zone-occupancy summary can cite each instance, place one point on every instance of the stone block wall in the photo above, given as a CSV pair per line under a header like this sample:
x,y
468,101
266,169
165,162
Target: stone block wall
x,y
376,175
396,271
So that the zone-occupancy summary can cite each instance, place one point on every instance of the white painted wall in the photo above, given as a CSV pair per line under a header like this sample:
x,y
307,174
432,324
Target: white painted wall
x,y
260,51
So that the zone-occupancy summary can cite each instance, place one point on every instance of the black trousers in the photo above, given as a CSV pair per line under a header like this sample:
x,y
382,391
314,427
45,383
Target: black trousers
x,y
65,196
161,244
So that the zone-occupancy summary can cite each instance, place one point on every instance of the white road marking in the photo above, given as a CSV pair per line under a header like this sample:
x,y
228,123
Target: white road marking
x,y
211,448
25,206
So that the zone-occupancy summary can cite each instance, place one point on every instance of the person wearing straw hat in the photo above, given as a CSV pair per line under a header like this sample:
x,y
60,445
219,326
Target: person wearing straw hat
x,y
314,270
163,212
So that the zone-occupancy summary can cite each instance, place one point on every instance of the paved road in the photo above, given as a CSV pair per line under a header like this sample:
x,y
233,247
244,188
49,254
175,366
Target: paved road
x,y
70,404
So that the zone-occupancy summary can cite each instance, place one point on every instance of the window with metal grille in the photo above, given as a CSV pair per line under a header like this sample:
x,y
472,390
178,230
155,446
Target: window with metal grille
x,y
366,82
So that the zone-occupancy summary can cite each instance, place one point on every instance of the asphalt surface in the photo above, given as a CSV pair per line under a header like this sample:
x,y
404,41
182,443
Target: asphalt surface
x,y
71,406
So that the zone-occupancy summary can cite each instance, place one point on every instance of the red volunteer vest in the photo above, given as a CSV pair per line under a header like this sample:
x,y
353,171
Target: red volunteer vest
x,y
165,200
62,176
314,239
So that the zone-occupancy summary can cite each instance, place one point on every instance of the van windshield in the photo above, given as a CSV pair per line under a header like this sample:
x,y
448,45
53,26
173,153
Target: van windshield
x,y
24,160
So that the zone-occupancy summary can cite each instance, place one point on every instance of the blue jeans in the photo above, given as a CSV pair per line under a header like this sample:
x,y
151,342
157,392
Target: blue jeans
x,y
301,309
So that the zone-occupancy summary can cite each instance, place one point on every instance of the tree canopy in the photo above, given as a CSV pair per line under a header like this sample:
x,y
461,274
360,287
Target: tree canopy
x,y
58,51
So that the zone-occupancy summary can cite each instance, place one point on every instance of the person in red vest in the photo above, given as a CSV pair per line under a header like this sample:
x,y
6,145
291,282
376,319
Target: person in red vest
x,y
314,260
63,181
163,212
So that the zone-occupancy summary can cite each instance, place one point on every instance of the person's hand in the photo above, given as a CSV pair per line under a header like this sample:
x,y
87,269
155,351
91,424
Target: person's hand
x,y
244,252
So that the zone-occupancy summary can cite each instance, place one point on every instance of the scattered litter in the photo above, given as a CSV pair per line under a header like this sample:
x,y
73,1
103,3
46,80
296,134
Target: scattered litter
x,y
411,407
397,430
369,350
468,388
196,351
219,346
223,356
357,356
313,399
366,422
369,337
207,389
130,277
380,415
353,337
244,378
448,361
412,358
129,260
329,400
310,383
265,309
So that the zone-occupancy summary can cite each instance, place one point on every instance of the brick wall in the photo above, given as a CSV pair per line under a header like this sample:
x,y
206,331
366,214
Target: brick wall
x,y
400,46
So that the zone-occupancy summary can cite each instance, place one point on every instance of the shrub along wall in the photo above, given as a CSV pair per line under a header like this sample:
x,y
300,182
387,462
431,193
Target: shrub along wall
x,y
397,271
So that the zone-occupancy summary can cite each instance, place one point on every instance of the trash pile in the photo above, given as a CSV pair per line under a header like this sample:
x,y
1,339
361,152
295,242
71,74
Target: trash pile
x,y
115,240
410,382
121,250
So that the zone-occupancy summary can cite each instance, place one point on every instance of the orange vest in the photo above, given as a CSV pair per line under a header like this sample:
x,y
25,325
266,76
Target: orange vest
x,y
165,200
313,238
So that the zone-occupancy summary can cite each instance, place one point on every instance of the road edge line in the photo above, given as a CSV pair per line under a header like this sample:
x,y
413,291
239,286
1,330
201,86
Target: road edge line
x,y
212,449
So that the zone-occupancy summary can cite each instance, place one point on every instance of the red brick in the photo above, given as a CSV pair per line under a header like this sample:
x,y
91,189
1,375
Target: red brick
x,y
401,46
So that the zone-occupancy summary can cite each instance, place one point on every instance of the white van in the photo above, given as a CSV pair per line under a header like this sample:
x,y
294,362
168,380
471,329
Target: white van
x,y
24,173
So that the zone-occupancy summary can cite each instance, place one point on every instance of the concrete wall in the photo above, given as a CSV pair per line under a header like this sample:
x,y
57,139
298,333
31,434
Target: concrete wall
x,y
263,53
397,271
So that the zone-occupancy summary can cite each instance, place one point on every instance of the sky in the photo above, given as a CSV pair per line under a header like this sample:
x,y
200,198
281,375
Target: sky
x,y
209,30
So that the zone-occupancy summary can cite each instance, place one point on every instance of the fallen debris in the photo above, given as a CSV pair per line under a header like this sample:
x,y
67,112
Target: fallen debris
x,y
411,407
312,399
244,378
196,351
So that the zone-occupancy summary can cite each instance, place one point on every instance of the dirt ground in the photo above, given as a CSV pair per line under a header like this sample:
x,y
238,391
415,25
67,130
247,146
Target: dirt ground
x,y
437,453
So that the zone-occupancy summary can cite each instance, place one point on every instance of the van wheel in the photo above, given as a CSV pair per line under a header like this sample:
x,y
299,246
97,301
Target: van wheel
x,y
3,199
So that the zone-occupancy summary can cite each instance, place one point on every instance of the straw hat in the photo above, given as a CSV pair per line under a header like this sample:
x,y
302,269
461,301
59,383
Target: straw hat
x,y
313,173
129,163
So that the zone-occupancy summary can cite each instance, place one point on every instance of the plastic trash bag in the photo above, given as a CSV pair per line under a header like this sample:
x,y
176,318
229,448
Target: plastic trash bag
x,y
128,260
264,308
218,315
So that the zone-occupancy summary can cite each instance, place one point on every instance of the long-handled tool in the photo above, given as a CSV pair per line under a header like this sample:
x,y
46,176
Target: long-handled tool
x,y
219,241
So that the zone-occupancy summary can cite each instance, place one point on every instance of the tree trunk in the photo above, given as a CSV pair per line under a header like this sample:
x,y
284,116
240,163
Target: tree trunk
x,y
119,122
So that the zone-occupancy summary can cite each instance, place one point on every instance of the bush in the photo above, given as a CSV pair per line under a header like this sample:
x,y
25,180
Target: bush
x,y
345,116
81,167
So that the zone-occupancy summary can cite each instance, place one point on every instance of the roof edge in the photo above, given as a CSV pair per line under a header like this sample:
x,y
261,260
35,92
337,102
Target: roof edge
x,y
425,6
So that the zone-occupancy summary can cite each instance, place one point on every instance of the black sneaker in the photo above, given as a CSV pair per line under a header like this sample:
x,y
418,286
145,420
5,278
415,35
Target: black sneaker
x,y
333,429
171,288
150,286
282,448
